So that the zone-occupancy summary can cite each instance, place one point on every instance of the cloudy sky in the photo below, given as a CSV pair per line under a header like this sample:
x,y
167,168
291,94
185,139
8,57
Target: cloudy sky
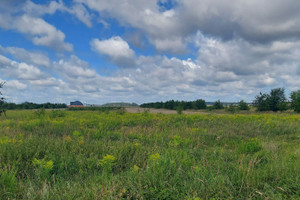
x,y
100,51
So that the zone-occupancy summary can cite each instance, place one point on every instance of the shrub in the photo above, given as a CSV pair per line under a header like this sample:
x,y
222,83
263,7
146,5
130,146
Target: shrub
x,y
243,105
218,105
295,103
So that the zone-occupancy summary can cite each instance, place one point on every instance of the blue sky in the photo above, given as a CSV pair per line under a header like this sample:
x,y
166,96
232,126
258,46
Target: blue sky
x,y
100,51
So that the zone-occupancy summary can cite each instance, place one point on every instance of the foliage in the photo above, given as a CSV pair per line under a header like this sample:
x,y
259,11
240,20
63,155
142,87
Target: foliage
x,y
242,105
295,103
1,95
251,146
29,105
99,155
231,108
173,105
275,101
8,183
218,105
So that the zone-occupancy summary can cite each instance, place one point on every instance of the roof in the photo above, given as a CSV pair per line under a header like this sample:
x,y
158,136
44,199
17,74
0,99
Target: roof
x,y
76,103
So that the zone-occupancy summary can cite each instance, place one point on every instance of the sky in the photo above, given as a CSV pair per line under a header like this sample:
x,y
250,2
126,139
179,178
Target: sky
x,y
100,51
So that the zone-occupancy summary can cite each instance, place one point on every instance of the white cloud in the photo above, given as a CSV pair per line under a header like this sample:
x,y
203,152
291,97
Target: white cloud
x,y
76,9
116,49
74,68
34,58
40,32
15,85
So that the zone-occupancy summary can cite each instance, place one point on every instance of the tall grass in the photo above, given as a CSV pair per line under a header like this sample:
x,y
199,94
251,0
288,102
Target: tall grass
x,y
115,155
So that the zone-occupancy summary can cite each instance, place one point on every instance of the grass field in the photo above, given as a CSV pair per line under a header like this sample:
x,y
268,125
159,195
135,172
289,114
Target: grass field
x,y
115,155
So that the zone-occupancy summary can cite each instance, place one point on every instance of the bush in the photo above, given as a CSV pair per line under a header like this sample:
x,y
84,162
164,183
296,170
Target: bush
x,y
295,103
218,105
243,105
231,108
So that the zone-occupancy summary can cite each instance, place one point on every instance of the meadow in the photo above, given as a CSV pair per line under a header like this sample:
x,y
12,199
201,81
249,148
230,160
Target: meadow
x,y
118,155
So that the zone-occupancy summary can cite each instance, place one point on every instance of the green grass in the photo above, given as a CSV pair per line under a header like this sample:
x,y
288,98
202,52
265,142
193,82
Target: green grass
x,y
117,155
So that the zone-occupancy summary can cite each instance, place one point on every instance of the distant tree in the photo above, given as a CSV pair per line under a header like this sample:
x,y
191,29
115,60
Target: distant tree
x,y
275,101
2,100
261,102
242,105
295,103
199,104
1,95
218,105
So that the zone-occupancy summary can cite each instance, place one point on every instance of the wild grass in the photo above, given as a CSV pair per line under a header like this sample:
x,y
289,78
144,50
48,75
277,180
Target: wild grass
x,y
117,155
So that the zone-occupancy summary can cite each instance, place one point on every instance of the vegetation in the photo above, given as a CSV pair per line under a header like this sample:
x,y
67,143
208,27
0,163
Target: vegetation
x,y
29,105
295,103
218,105
112,155
242,105
1,95
275,101
174,105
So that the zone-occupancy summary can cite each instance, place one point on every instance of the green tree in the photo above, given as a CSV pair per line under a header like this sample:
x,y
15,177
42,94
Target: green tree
x,y
242,105
277,100
199,104
295,103
1,96
218,105
261,102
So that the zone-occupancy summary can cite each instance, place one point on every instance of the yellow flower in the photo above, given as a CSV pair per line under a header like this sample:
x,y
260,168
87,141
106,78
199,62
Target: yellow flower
x,y
68,138
154,157
135,168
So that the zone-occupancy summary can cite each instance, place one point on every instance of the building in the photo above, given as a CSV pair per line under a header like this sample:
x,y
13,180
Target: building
x,y
76,104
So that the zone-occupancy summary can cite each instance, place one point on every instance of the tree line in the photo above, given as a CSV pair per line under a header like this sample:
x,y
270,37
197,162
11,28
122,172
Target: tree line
x,y
274,101
30,105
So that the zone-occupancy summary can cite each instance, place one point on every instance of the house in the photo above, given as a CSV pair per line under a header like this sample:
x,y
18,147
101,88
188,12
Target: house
x,y
76,104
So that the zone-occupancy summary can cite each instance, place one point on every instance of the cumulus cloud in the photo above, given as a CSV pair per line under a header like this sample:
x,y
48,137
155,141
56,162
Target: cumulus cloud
x,y
75,9
34,58
20,70
116,49
40,32
255,20
74,68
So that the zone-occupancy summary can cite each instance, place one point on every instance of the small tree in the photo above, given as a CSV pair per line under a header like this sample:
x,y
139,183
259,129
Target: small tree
x,y
1,96
218,105
261,102
243,105
295,103
2,110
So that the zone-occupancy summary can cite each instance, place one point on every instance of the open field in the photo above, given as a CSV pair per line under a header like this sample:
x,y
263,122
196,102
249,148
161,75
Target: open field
x,y
119,155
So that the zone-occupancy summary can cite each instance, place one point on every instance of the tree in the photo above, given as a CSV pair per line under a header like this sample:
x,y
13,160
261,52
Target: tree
x,y
274,101
295,103
277,100
199,104
1,95
261,102
2,110
243,105
218,105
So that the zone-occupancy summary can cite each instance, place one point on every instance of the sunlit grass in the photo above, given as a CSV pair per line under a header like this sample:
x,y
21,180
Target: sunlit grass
x,y
115,155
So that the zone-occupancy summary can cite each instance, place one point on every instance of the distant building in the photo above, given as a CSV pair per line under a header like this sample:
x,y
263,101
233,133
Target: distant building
x,y
76,104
